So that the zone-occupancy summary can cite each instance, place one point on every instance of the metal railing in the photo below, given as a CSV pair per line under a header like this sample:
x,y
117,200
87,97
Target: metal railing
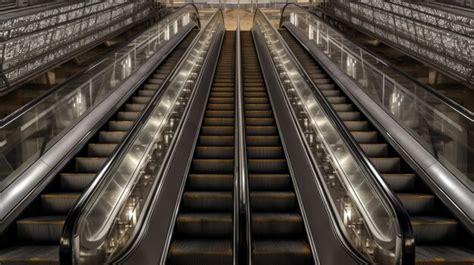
x,y
109,217
368,214
241,174
438,124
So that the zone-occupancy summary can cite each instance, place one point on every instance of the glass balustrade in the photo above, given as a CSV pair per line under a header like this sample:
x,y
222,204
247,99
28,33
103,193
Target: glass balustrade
x,y
365,215
443,129
25,139
116,210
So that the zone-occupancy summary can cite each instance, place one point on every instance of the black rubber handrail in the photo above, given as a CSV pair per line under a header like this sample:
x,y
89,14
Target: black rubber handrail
x,y
35,102
408,246
66,251
458,108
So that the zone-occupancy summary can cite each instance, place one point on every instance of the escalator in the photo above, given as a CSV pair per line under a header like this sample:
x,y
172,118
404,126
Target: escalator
x,y
203,231
34,237
440,238
277,230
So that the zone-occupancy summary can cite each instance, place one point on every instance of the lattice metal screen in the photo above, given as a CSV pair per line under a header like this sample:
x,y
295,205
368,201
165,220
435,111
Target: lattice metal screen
x,y
443,38
31,42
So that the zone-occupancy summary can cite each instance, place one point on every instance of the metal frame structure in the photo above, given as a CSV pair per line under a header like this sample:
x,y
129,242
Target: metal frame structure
x,y
34,41
438,37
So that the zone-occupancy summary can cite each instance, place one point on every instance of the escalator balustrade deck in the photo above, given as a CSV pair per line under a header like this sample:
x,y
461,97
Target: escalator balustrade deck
x,y
277,228
438,235
38,231
203,232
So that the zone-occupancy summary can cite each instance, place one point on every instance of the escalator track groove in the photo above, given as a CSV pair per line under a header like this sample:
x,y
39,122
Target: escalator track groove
x,y
277,228
439,237
203,232
34,237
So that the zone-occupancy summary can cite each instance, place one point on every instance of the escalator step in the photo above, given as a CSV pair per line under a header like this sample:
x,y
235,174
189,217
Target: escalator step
x,y
111,136
264,201
151,86
269,182
276,225
261,152
349,115
443,254
261,130
342,107
217,130
399,182
201,251
281,252
375,150
258,114
219,113
418,203
134,107
210,182
128,115
216,140
433,229
100,150
140,100
29,255
259,121
146,93
326,86
331,92
212,106
263,140
207,201
321,81
267,166
212,166
336,100
218,121
257,100
220,100
58,203
221,94
365,137
209,152
257,107
386,164
209,224
76,181
120,125
357,125
155,81
40,229
89,164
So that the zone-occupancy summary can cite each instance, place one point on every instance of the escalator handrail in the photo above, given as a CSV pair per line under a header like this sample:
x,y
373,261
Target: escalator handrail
x,y
70,225
455,106
35,102
405,228
241,183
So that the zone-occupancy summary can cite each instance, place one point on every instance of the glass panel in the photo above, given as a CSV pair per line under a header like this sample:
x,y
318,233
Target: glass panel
x,y
116,210
26,138
365,215
442,129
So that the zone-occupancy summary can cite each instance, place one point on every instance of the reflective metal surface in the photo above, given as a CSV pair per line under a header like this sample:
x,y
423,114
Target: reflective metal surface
x,y
26,138
442,129
364,214
114,214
